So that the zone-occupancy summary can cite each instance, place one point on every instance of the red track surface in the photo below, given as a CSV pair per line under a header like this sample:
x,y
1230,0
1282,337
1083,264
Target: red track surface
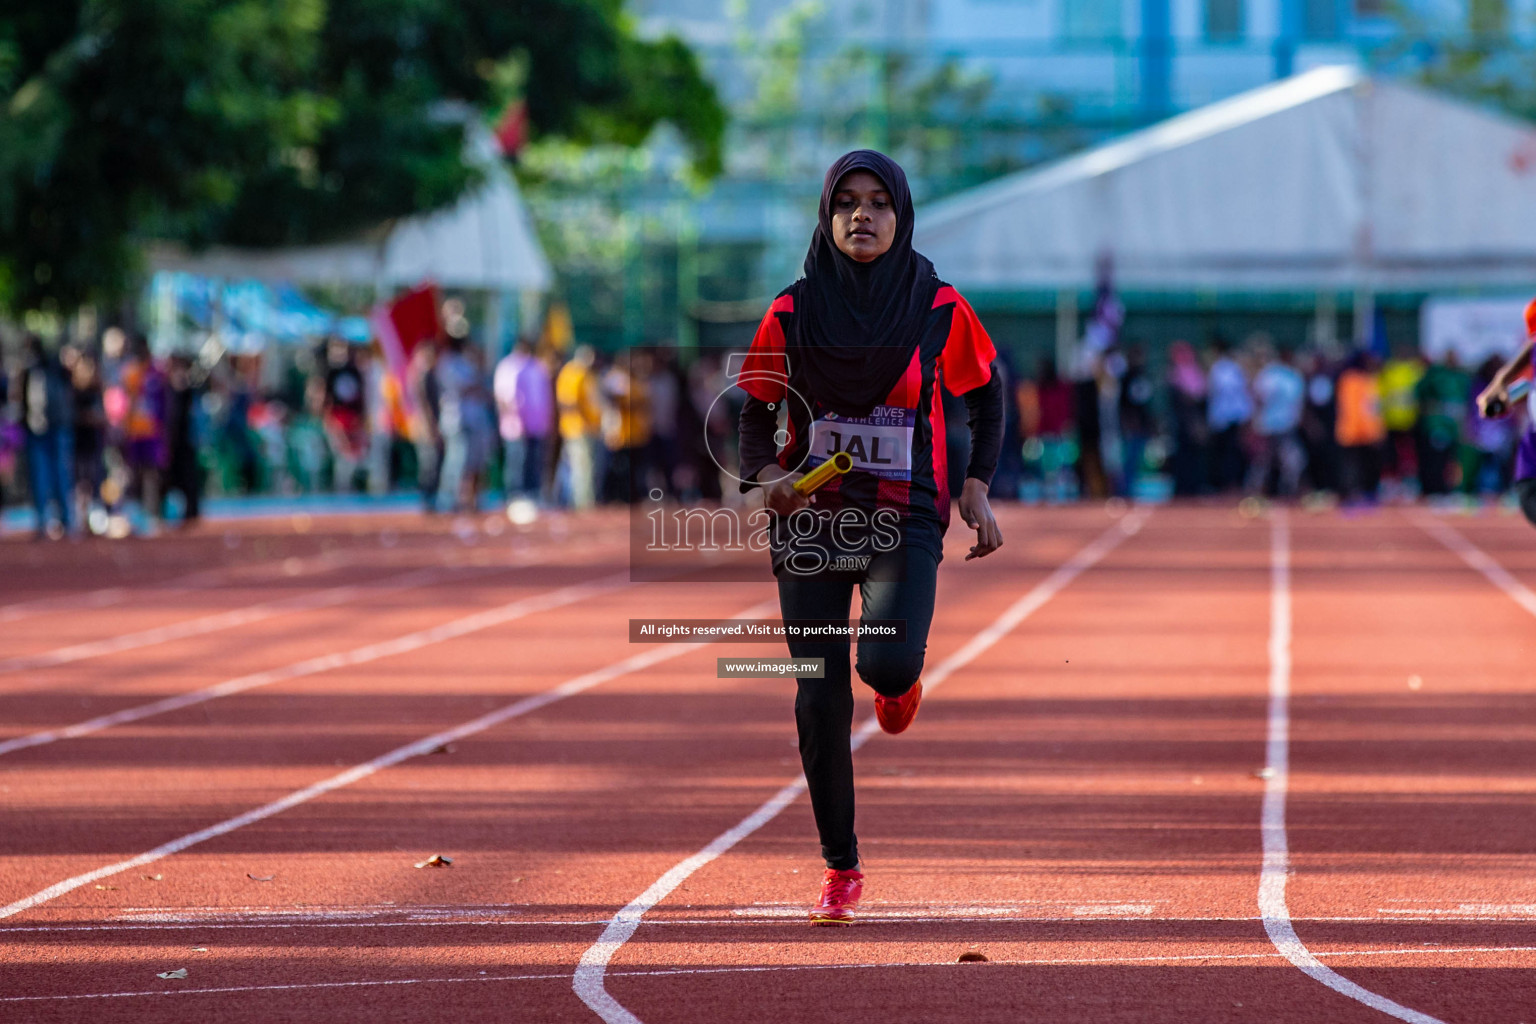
x,y
1081,802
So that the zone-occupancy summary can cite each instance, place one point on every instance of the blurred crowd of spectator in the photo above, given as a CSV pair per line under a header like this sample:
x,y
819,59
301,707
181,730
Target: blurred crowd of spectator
x,y
1259,420
97,429
106,438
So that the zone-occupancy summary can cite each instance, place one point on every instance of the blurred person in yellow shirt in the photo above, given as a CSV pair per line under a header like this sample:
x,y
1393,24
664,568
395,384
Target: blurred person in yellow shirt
x,y
1400,378
581,420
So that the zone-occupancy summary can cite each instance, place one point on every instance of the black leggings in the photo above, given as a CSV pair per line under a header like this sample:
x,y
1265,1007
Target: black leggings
x,y
1525,490
897,585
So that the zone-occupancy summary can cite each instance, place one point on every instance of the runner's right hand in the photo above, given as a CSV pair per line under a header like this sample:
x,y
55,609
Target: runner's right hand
x,y
780,496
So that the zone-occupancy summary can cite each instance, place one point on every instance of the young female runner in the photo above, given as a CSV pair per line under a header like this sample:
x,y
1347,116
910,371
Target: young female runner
x,y
854,351
1496,401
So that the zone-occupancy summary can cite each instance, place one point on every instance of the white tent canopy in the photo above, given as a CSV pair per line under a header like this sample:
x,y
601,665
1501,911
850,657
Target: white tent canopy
x,y
1328,180
485,241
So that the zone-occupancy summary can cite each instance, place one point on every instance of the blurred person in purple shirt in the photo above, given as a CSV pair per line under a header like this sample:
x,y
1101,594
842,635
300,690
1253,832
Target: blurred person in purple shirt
x,y
525,407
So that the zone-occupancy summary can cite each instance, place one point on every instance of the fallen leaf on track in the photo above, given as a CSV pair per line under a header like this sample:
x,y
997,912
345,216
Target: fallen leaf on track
x,y
180,972
443,748
112,887
151,878
437,860
259,878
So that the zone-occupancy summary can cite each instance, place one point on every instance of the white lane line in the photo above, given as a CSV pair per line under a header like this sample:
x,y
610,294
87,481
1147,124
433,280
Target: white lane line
x,y
588,980
942,913
669,972
1466,912
1272,906
357,773
326,662
327,598
1478,559
201,579
176,923
64,602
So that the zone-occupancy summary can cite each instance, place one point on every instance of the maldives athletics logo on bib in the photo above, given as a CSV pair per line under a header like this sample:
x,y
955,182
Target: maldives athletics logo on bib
x,y
879,444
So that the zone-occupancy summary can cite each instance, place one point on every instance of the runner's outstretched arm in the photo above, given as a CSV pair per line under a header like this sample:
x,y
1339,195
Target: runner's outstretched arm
x,y
1498,388
984,410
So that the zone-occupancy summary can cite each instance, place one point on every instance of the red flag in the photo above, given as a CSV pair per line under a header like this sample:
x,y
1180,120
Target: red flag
x,y
402,325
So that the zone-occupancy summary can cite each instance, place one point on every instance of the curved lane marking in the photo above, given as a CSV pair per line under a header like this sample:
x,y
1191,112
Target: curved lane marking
x,y
590,972
1272,906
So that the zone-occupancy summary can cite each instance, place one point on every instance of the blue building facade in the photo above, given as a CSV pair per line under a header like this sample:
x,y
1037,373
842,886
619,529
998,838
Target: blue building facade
x,y
1158,57
1138,59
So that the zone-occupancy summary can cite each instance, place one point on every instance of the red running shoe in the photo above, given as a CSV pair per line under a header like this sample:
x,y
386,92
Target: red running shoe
x,y
840,892
896,713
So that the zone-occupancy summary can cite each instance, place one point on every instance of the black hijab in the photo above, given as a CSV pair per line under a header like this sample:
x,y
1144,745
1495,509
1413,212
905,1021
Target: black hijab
x,y
856,324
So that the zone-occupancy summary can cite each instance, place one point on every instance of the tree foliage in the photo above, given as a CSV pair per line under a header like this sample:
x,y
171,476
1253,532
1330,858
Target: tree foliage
x,y
264,122
1485,65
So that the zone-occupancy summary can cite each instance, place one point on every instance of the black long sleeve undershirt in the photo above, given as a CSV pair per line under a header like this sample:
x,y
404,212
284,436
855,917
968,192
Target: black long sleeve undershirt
x,y
984,413
758,424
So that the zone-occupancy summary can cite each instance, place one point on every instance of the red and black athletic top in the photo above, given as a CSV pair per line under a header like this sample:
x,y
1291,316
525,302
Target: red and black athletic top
x,y
899,453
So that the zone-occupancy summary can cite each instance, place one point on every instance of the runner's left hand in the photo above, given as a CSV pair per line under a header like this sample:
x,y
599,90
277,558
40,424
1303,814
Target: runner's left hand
x,y
977,513
1497,391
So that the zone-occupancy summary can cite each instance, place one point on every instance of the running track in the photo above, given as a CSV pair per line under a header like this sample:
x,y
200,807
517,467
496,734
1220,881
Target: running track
x,y
1185,767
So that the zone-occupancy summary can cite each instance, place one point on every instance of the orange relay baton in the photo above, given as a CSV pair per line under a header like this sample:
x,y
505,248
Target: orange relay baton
x,y
837,465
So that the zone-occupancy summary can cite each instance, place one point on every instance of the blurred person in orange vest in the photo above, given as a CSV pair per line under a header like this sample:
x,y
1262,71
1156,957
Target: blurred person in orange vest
x,y
1360,428
581,419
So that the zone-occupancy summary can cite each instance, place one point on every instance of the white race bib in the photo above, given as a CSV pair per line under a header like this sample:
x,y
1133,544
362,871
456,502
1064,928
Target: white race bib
x,y
879,444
